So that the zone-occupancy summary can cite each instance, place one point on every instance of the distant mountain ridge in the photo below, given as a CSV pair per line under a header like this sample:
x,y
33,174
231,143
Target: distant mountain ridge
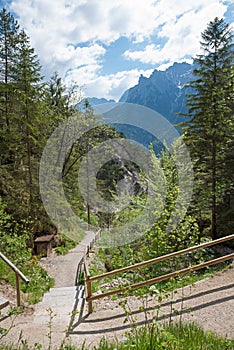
x,y
163,91
93,101
97,101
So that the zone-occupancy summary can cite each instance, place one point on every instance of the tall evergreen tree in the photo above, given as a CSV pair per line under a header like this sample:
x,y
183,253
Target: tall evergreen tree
x,y
210,129
56,97
28,89
8,41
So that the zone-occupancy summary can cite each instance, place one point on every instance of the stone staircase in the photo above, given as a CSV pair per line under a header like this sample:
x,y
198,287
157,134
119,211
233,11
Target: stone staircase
x,y
64,303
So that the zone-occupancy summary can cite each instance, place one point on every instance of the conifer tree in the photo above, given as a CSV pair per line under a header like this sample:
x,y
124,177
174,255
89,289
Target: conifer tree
x,y
56,97
8,41
210,129
28,89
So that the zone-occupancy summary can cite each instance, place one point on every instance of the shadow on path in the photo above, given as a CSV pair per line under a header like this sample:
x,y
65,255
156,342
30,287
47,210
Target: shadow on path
x,y
87,318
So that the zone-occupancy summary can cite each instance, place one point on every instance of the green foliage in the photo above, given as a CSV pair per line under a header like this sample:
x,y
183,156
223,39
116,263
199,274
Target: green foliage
x,y
14,311
105,177
65,245
157,241
173,336
29,112
14,238
209,131
23,125
40,281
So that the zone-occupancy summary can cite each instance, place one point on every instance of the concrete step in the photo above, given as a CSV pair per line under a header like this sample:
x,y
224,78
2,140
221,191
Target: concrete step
x,y
3,302
62,297
65,290
62,302
68,292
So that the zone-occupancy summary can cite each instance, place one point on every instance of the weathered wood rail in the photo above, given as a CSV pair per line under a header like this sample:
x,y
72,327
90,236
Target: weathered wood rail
x,y
82,262
18,275
3,302
89,279
91,244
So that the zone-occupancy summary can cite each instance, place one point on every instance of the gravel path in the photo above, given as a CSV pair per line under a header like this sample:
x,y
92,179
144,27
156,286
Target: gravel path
x,y
209,302
63,268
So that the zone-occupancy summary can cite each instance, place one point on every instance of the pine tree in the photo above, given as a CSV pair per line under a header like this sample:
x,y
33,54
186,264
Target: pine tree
x,y
210,129
28,90
26,121
8,41
56,98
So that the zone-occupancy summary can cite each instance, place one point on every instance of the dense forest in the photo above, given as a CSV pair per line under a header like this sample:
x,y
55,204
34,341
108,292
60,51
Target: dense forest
x,y
30,110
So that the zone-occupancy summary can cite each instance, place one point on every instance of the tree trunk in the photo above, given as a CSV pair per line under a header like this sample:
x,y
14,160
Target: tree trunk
x,y
213,198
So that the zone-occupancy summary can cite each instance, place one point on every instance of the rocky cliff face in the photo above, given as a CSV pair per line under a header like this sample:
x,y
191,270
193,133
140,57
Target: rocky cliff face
x,y
163,91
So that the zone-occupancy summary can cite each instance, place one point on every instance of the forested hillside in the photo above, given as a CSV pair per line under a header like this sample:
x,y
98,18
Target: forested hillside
x,y
208,133
30,110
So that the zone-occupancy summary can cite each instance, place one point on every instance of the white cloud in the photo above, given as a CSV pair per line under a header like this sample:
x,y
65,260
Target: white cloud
x,y
87,20
56,27
109,86
72,36
182,33
74,57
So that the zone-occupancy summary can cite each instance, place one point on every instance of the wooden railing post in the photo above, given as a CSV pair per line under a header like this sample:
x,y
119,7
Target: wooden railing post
x,y
17,288
89,295
88,287
18,275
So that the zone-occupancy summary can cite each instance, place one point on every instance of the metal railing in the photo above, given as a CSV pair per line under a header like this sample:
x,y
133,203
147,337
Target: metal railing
x,y
18,275
89,279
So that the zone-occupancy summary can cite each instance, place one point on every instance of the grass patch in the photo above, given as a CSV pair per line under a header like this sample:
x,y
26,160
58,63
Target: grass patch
x,y
65,247
173,336
169,337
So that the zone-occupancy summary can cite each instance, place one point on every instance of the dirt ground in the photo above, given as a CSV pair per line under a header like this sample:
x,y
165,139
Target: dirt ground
x,y
209,302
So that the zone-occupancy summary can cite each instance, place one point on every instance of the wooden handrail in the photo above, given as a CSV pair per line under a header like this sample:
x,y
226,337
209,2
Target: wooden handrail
x,y
18,274
14,268
88,280
164,277
86,269
91,244
164,257
88,283
88,286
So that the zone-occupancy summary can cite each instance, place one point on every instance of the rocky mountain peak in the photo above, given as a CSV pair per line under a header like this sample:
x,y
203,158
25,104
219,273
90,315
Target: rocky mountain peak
x,y
163,91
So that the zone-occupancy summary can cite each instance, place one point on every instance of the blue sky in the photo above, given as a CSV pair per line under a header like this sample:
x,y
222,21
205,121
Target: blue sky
x,y
104,45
